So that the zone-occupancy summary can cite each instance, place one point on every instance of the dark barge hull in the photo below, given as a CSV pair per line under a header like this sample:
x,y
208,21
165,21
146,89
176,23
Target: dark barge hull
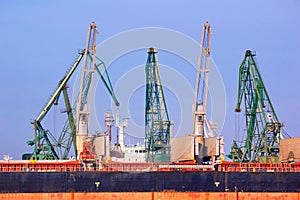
x,y
130,182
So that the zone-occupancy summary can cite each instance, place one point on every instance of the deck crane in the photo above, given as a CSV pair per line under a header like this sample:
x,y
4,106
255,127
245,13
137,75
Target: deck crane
x,y
46,145
201,125
157,123
263,129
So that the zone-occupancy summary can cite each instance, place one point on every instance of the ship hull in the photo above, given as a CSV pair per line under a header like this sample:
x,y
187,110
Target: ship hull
x,y
148,182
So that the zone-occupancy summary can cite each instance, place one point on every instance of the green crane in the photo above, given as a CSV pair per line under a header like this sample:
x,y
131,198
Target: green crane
x,y
46,145
44,142
157,123
263,129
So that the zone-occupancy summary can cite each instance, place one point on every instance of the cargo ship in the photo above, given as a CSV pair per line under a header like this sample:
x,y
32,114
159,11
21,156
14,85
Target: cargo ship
x,y
189,167
69,180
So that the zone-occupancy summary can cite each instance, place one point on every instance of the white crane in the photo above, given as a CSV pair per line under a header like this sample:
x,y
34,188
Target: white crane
x,y
87,76
201,126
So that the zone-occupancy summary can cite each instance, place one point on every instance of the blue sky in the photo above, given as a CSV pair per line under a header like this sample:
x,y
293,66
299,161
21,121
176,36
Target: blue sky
x,y
39,40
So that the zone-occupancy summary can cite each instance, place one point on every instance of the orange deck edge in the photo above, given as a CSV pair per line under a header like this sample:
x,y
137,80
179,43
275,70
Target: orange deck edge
x,y
169,195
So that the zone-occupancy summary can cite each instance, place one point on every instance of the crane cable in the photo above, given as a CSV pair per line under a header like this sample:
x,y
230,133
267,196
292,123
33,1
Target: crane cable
x,y
237,127
54,119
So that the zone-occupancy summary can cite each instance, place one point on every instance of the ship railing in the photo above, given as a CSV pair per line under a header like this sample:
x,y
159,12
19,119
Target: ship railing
x,y
186,168
128,167
39,166
74,166
259,167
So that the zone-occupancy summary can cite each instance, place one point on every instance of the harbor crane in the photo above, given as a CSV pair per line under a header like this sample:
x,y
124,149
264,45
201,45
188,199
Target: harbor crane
x,y
75,130
202,127
157,123
263,128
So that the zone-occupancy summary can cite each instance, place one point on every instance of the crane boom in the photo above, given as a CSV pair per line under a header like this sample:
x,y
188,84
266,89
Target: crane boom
x,y
203,69
59,89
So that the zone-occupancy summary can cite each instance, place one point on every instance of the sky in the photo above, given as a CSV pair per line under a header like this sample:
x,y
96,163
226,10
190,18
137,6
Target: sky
x,y
40,39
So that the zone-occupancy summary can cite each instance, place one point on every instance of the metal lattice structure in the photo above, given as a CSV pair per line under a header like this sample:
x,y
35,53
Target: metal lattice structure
x,y
157,123
263,129
46,145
